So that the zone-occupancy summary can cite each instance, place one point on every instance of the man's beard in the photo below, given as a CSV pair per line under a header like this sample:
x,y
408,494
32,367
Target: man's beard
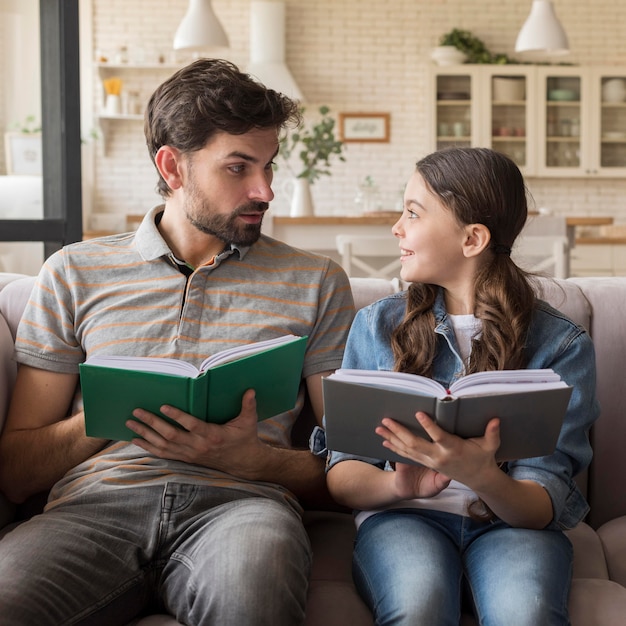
x,y
227,228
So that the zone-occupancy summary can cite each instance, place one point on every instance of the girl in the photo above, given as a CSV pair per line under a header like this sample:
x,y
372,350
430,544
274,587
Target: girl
x,y
459,524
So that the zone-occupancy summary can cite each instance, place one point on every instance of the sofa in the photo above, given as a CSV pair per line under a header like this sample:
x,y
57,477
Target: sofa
x,y
598,594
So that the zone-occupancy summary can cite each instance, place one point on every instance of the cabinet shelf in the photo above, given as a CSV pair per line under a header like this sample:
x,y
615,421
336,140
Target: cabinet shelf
x,y
509,103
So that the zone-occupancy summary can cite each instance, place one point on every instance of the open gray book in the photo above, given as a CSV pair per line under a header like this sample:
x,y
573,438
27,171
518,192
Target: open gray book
x,y
530,404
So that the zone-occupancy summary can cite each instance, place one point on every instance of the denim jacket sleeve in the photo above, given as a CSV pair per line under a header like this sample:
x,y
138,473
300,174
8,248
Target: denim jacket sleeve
x,y
558,343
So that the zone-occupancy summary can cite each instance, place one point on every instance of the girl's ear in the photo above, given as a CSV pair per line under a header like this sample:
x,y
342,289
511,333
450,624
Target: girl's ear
x,y
169,163
477,238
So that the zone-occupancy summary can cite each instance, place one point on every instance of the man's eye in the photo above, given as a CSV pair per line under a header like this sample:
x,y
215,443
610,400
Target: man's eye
x,y
236,169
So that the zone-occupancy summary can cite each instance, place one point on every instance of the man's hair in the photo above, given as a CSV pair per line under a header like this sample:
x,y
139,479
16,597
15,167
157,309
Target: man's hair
x,y
210,96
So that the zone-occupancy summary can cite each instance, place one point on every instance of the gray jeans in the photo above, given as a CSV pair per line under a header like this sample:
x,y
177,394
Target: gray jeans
x,y
204,555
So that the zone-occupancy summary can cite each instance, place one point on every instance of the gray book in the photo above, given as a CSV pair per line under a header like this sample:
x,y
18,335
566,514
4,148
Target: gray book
x,y
530,404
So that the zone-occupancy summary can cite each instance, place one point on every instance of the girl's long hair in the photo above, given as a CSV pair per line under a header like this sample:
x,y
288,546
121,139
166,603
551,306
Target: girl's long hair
x,y
479,186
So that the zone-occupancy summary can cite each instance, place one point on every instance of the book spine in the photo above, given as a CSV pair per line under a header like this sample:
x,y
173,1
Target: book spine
x,y
199,396
446,413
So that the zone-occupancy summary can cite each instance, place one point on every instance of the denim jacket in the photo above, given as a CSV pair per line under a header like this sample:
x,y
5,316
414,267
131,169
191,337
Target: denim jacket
x,y
554,342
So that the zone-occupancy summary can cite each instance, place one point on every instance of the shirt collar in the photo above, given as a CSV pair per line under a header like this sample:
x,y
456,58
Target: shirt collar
x,y
151,245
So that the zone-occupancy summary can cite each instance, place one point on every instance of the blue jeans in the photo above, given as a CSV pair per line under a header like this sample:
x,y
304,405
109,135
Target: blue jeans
x,y
412,567
204,555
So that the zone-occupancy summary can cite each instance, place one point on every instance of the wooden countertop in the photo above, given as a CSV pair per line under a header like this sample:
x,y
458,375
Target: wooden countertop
x,y
600,240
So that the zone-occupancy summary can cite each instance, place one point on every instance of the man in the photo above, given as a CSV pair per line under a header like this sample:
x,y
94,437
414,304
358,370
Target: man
x,y
201,522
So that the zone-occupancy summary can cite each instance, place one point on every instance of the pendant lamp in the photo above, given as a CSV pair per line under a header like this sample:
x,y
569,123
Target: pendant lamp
x,y
542,31
200,28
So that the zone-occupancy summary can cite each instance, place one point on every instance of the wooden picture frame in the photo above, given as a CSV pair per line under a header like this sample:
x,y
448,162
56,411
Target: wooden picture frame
x,y
364,127
23,153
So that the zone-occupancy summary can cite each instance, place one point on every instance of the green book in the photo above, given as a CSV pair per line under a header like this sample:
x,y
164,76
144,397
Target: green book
x,y
113,386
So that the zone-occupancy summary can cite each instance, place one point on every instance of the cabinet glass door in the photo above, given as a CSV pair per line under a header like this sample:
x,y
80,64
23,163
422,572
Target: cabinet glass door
x,y
612,122
510,122
453,115
563,123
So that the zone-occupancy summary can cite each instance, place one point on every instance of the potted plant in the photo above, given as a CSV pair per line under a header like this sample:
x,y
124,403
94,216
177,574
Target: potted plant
x,y
307,153
472,47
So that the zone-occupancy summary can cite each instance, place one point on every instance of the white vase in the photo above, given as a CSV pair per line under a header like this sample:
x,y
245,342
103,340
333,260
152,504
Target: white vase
x,y
301,198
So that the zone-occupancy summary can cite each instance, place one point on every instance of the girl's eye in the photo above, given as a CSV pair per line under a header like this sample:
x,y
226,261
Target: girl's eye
x,y
412,214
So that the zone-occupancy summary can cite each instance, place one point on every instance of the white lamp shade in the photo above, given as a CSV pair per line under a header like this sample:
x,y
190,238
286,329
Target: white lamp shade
x,y
200,28
542,31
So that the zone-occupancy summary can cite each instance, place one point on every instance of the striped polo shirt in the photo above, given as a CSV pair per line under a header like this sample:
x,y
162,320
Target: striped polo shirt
x,y
125,295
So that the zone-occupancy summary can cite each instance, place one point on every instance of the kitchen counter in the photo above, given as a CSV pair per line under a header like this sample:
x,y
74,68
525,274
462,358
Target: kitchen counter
x,y
582,241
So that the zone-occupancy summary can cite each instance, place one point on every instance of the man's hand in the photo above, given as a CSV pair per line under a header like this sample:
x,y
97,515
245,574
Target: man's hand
x,y
233,447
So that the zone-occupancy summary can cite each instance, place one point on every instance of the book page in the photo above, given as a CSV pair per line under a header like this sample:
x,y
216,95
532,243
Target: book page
x,y
238,352
506,381
160,365
396,380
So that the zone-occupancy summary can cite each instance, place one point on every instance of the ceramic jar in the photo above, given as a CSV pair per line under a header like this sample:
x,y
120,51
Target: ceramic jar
x,y
614,90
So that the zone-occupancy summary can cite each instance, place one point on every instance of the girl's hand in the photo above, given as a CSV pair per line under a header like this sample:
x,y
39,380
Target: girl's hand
x,y
469,461
416,481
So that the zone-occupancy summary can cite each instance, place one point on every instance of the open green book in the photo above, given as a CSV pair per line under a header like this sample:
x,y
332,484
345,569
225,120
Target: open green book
x,y
113,386
531,405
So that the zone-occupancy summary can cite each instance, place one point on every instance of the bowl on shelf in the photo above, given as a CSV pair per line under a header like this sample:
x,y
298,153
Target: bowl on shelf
x,y
562,95
447,55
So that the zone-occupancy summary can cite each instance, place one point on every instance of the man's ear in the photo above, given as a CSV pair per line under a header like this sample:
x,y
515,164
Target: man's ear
x,y
170,165
477,238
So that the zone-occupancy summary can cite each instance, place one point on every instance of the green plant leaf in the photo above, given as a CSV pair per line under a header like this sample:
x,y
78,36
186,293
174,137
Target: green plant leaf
x,y
315,146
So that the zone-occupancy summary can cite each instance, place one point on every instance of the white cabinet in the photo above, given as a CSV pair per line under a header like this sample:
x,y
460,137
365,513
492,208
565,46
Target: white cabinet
x,y
553,121
598,259
584,129
486,105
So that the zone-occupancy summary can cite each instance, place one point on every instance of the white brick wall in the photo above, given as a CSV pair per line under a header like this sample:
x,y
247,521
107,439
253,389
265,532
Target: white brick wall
x,y
355,55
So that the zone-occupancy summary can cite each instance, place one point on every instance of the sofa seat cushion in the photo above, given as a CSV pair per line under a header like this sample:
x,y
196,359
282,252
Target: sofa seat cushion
x,y
593,601
613,537
589,559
